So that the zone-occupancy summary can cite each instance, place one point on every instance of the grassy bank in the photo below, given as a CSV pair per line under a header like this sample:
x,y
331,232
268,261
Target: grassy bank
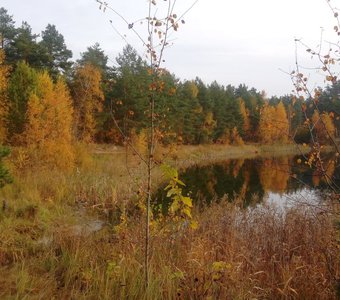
x,y
51,246
207,154
233,255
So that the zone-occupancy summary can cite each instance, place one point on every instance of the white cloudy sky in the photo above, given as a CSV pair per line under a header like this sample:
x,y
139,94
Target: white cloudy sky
x,y
231,41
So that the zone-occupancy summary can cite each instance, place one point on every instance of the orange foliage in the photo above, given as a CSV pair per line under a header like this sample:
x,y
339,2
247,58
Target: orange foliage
x,y
274,174
4,72
324,126
237,167
139,141
281,123
88,98
236,138
273,126
48,132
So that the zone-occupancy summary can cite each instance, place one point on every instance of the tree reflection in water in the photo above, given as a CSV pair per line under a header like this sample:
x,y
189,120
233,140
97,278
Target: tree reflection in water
x,y
255,180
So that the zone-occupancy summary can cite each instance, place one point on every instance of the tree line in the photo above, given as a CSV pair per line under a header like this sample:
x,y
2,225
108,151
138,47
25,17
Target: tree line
x,y
49,101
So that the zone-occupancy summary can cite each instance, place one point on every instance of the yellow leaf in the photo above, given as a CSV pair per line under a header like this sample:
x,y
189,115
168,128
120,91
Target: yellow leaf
x,y
187,201
194,225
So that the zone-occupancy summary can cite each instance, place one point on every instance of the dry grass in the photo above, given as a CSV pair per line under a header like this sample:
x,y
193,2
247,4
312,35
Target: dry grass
x,y
265,255
186,156
234,254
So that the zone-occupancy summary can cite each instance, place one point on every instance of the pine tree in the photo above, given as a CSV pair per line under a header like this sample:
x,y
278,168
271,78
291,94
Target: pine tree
x,y
96,57
56,51
187,111
7,29
130,92
24,47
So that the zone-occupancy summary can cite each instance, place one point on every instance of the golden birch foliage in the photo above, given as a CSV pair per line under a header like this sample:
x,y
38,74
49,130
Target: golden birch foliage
x,y
328,126
281,123
140,141
88,98
236,138
4,73
323,126
48,131
266,128
273,125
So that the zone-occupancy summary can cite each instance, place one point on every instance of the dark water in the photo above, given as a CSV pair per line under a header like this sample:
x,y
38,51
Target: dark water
x,y
256,180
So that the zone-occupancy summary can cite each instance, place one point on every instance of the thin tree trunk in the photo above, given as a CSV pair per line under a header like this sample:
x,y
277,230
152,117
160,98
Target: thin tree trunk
x,y
149,185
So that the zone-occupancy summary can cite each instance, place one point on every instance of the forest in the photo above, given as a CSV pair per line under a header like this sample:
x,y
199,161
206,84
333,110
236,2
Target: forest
x,y
189,112
81,183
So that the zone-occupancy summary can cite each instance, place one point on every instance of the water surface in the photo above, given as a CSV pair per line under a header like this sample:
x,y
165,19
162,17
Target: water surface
x,y
276,180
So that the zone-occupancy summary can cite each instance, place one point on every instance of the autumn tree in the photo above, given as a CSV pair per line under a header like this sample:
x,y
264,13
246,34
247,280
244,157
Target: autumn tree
x,y
88,100
253,101
292,106
281,123
48,131
273,125
266,129
329,102
4,73
324,129
235,137
158,30
320,108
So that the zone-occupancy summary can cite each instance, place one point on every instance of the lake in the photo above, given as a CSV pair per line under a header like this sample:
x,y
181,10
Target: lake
x,y
278,180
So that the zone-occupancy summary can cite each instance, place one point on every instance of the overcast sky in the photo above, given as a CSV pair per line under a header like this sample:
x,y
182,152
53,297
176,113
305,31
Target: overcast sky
x,y
230,41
